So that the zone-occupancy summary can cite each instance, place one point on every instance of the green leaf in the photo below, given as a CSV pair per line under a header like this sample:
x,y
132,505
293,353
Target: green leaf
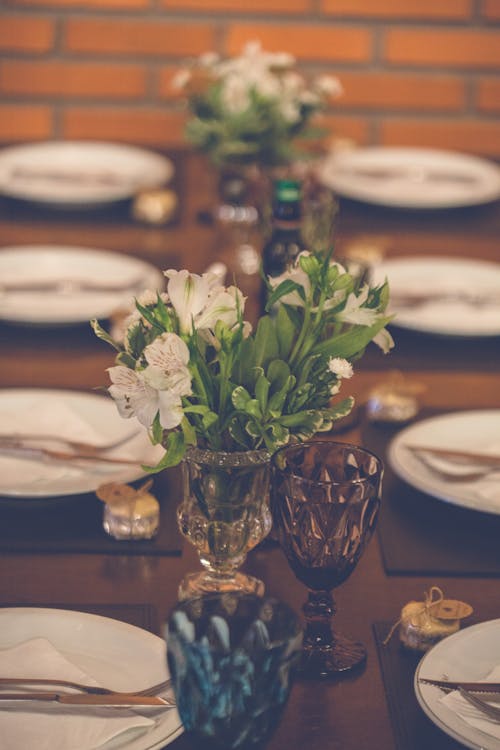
x,y
286,287
240,398
350,342
156,430
175,449
266,343
286,331
104,335
262,391
126,359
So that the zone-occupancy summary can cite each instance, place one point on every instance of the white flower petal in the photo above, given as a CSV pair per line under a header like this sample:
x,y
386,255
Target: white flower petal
x,y
188,294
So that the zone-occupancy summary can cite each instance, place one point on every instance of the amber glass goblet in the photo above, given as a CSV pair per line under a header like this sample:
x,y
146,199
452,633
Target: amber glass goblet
x,y
325,498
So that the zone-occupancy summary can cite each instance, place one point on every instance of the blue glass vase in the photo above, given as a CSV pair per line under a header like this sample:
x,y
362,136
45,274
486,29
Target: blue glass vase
x,y
232,658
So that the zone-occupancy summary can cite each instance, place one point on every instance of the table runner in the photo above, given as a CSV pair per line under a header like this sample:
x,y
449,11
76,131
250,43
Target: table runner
x,y
411,728
420,535
74,525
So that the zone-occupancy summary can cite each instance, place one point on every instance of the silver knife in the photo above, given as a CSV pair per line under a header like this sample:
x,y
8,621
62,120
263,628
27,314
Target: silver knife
x,y
472,687
110,699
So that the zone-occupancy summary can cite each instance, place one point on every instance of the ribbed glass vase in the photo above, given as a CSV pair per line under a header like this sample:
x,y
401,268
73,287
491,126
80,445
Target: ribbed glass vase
x,y
224,514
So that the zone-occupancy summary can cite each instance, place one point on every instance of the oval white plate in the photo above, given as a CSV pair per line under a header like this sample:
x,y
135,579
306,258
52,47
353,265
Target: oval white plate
x,y
80,173
72,414
31,264
477,431
412,177
439,276
117,655
468,655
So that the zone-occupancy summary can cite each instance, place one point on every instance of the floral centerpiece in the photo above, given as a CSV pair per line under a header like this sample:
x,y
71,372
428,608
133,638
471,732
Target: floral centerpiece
x,y
223,397
252,108
192,371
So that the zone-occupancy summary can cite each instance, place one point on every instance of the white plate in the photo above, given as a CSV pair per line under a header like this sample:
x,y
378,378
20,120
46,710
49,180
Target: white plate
x,y
477,431
124,275
412,177
468,655
117,655
70,414
80,173
451,282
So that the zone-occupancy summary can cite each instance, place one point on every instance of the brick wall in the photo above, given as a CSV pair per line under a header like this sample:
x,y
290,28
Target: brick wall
x,y
415,72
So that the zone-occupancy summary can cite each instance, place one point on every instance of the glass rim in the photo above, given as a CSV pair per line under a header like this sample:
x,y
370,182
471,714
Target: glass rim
x,y
323,482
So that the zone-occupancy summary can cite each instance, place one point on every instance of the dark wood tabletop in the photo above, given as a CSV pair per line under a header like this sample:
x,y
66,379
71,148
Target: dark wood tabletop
x,y
348,714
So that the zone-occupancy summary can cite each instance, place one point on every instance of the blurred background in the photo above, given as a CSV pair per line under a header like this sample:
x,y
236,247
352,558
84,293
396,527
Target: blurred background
x,y
414,72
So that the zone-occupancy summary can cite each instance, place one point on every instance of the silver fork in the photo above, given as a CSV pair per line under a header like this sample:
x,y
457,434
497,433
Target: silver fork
x,y
491,711
81,447
90,689
469,476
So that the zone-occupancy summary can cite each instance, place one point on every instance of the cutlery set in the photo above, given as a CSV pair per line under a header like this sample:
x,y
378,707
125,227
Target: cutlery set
x,y
471,691
481,464
89,695
28,446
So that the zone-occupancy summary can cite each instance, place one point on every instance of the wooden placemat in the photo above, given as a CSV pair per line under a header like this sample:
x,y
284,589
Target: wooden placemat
x,y
74,524
420,535
411,728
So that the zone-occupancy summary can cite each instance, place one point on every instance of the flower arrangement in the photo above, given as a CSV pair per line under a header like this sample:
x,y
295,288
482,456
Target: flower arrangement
x,y
193,372
253,107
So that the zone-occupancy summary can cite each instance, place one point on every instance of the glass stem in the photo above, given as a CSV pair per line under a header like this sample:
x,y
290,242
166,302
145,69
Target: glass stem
x,y
319,610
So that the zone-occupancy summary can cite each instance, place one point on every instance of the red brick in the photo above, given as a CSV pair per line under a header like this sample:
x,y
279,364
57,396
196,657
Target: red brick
x,y
63,79
488,95
305,42
20,123
26,34
287,7
342,126
414,9
400,90
491,9
109,37
473,136
100,4
443,47
153,127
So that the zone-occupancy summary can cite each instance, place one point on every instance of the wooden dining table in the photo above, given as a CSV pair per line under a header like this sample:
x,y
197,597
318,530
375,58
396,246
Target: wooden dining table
x,y
440,545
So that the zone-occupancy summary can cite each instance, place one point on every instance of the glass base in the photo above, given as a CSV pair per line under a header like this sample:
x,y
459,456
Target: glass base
x,y
197,584
332,661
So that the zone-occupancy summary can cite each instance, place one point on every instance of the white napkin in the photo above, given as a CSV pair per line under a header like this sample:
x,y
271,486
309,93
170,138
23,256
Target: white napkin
x,y
56,727
469,713
486,487
37,417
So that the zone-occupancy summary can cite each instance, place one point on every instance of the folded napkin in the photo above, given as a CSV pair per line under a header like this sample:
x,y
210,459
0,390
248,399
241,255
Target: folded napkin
x,y
53,726
485,487
469,713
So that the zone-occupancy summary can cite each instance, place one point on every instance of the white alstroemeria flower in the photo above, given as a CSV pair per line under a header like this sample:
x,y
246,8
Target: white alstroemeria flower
x,y
133,397
181,79
355,313
234,94
168,358
329,86
149,297
222,305
340,367
188,294
384,340
290,111
209,59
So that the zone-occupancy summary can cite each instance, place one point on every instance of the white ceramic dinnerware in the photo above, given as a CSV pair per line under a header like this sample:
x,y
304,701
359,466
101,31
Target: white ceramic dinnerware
x,y
470,654
74,415
415,178
55,285
462,482
112,653
80,174
444,296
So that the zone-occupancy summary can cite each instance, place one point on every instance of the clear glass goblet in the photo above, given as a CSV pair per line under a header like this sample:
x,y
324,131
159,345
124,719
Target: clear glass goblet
x,y
325,498
232,657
